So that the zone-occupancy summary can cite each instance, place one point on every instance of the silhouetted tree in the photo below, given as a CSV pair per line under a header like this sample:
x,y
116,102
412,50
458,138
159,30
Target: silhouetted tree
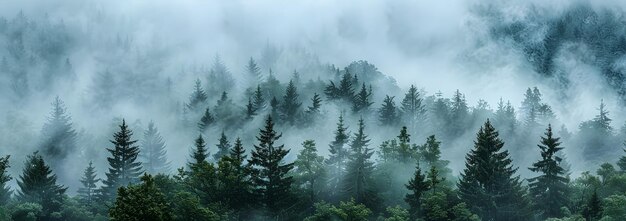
x,y
412,108
362,100
388,113
417,187
88,191
38,184
358,183
198,98
223,147
5,190
59,137
124,168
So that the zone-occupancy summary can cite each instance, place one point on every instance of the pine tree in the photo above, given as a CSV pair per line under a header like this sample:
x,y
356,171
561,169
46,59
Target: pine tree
x,y
309,171
198,98
38,184
361,100
124,168
417,187
5,190
430,153
88,191
235,179
254,71
316,103
338,157
388,113
274,104
406,153
459,113
223,147
602,121
358,183
488,183
505,117
291,105
344,91
269,172
622,161
153,152
200,153
259,99
434,179
250,109
206,120
593,209
412,108
59,137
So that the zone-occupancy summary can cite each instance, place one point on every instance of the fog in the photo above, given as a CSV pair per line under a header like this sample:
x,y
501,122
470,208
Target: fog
x,y
155,50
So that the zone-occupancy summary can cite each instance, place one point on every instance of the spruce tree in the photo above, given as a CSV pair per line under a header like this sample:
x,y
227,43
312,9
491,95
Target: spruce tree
x,y
200,152
406,153
338,157
124,168
5,190
622,161
206,120
274,112
361,100
358,183
291,105
269,172
309,171
412,108
250,109
235,180
488,183
198,98
316,103
254,71
459,113
88,191
388,113
258,100
434,179
38,184
223,147
593,209
417,187
549,190
344,91
59,137
602,121
153,151
505,117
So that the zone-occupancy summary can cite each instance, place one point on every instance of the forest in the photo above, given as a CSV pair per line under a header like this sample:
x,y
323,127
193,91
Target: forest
x,y
107,116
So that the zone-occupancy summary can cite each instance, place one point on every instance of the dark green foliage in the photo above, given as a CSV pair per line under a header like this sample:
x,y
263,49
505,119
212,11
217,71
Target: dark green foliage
x,y
316,103
597,141
59,137
400,151
153,151
349,210
88,192
622,162
223,147
309,172
38,184
140,202
488,183
549,190
593,209
198,98
362,100
206,120
258,100
434,179
236,184
200,152
5,191
412,108
345,90
388,112
338,157
358,183
124,168
187,207
417,187
290,107
269,172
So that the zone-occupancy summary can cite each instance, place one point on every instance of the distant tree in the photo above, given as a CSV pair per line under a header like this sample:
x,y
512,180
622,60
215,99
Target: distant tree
x,y
309,171
362,100
141,202
344,91
88,192
431,155
200,152
400,150
223,147
103,88
220,79
290,108
124,168
388,112
198,98
505,117
275,112
417,187
250,109
412,108
5,190
434,179
253,70
593,209
258,100
488,183
549,189
269,172
316,103
153,152
206,121
459,113
59,137
38,184
338,157
358,183
534,112
226,111
439,114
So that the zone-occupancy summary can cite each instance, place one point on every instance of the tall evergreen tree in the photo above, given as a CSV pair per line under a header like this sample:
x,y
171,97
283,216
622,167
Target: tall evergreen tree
x,y
459,113
269,172
250,109
388,113
338,157
234,176
345,90
206,120
505,117
593,209
291,105
602,121
434,179
316,103
153,152
124,168
38,184
258,100
59,137
417,187
253,70
223,147
358,183
5,190
549,189
274,104
362,100
200,152
310,172
488,183
198,98
88,192
412,108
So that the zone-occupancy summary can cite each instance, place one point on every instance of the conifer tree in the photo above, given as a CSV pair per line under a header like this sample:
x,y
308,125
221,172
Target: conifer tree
x,y
417,187
459,113
388,113
223,147
549,190
274,104
488,183
434,179
310,172
5,190
250,109
200,152
316,103
258,99
38,184
153,152
361,100
406,153
206,120
198,98
235,179
602,121
254,71
622,161
338,157
345,90
59,137
88,191
269,172
143,201
593,209
505,117
358,183
291,105
124,168
412,108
